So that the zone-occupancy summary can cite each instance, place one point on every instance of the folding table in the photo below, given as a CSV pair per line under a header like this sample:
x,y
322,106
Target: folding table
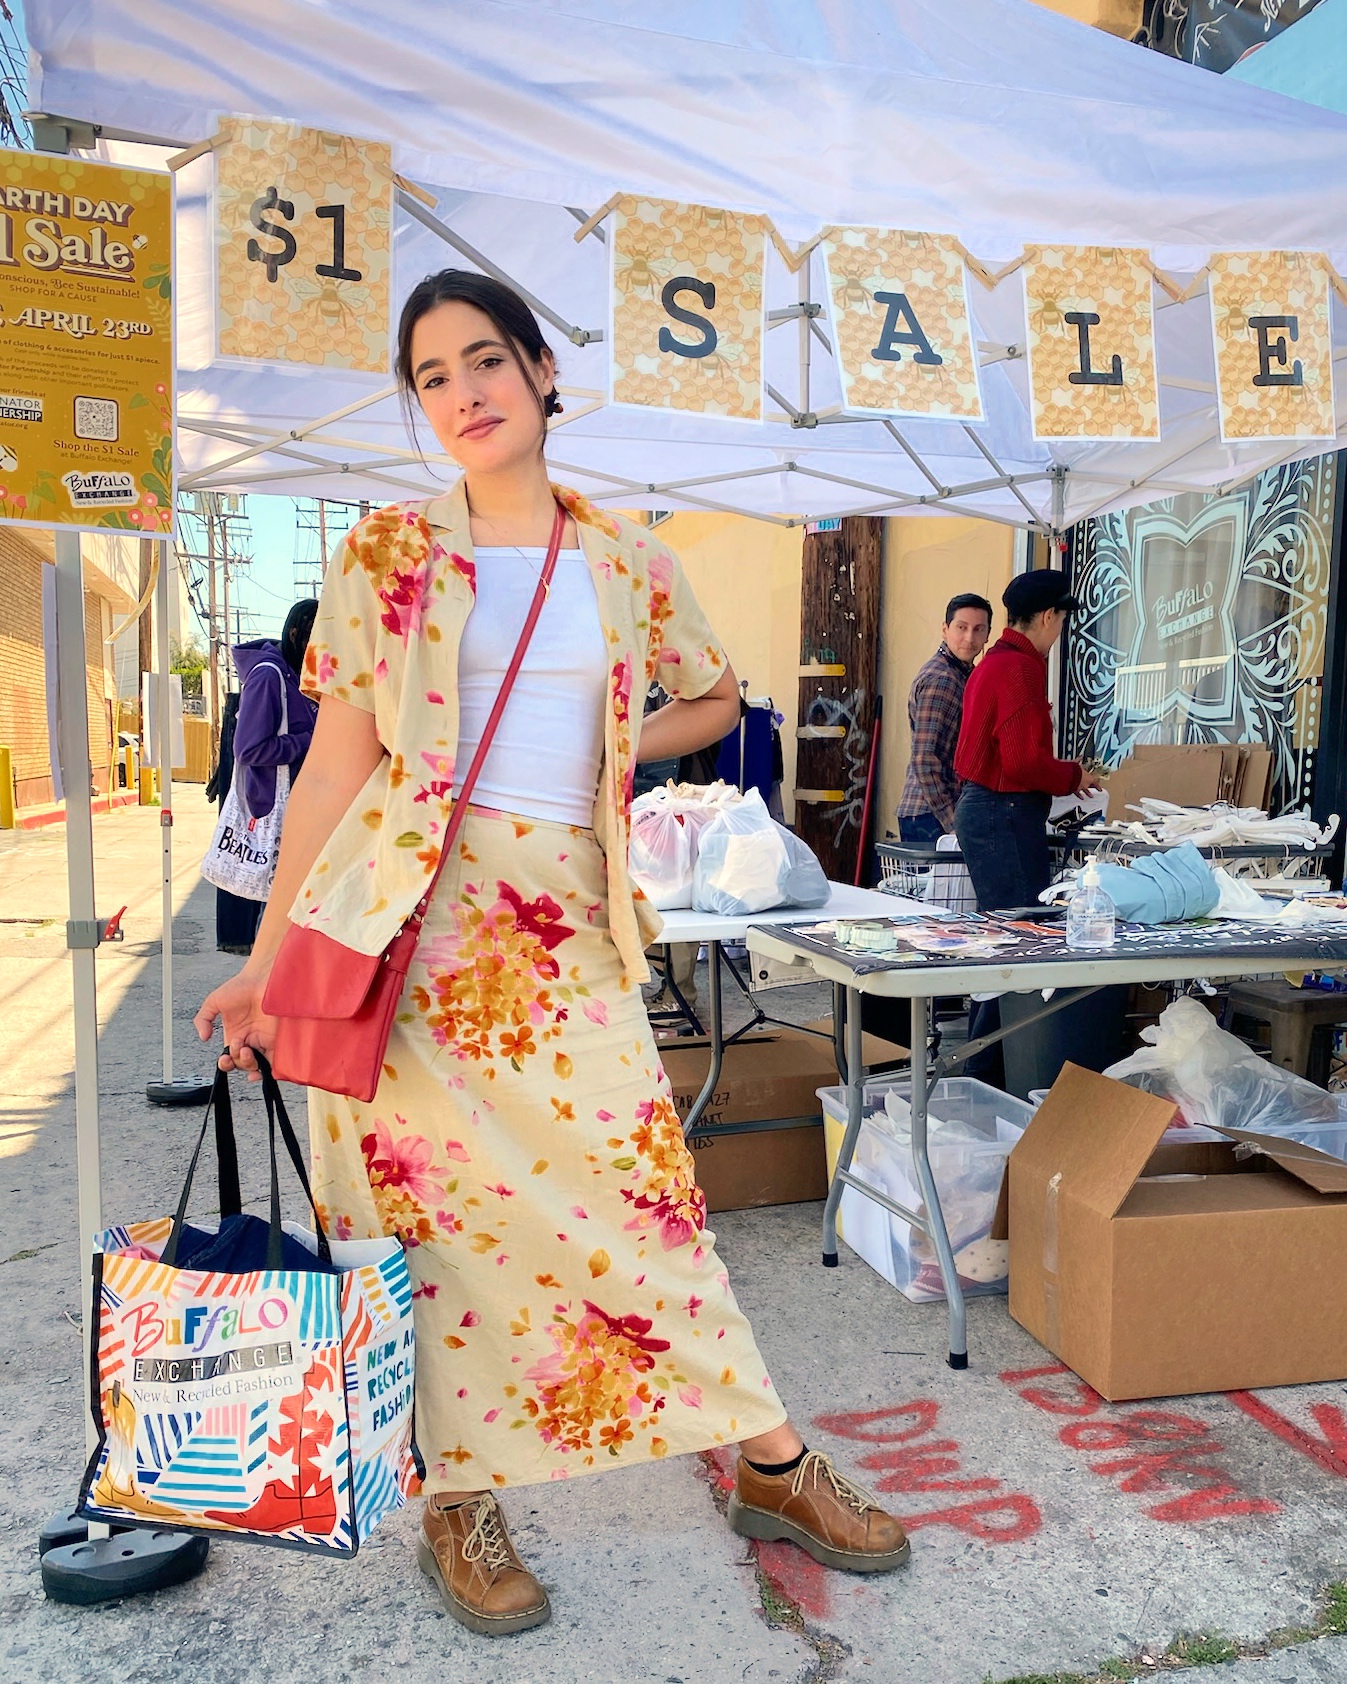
x,y
687,925
1172,953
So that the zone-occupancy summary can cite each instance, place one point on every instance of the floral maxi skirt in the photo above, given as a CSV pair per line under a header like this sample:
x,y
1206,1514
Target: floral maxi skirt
x,y
571,1312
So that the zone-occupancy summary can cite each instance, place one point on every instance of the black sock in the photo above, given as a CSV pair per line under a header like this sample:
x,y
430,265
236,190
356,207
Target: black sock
x,y
772,1468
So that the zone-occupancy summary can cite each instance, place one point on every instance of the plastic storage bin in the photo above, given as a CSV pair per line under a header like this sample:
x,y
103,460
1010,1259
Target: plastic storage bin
x,y
971,1130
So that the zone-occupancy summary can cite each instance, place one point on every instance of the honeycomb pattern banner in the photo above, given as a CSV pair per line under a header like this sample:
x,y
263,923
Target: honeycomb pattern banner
x,y
1095,300
302,247
687,308
899,308
1274,345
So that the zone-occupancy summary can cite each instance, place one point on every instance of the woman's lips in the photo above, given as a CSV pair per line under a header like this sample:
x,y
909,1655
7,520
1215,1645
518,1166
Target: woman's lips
x,y
480,429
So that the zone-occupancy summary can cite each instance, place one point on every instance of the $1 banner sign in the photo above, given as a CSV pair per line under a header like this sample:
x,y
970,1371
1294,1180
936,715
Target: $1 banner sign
x,y
302,246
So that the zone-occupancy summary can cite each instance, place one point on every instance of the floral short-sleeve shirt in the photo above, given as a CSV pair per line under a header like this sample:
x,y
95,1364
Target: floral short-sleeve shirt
x,y
394,603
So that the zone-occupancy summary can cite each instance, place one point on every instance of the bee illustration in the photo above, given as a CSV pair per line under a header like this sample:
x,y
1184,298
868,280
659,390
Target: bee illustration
x,y
328,304
1049,317
848,264
635,273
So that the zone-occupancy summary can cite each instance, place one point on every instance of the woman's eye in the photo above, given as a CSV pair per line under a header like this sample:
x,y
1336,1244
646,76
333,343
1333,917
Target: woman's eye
x,y
490,362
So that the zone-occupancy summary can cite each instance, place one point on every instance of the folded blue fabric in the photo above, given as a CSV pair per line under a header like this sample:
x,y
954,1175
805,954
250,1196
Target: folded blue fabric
x,y
1161,888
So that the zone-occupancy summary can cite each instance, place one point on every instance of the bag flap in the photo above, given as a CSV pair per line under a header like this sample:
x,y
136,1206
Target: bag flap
x,y
1097,1133
315,976
1320,1170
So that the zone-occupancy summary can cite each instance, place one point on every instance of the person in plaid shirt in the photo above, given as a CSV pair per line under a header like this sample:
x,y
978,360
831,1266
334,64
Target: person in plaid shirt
x,y
934,712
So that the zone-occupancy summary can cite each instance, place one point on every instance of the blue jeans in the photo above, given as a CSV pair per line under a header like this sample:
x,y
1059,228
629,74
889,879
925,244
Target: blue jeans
x,y
922,831
1004,843
1003,840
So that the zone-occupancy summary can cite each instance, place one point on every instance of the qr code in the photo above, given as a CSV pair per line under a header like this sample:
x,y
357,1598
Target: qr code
x,y
96,418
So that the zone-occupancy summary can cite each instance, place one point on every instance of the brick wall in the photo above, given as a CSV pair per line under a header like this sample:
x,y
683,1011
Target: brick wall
x,y
23,694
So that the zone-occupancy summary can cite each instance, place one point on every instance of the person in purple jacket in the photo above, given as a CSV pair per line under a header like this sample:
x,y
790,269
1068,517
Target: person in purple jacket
x,y
260,746
257,744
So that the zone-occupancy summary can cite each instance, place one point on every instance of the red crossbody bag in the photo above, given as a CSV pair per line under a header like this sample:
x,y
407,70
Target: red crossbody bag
x,y
334,1007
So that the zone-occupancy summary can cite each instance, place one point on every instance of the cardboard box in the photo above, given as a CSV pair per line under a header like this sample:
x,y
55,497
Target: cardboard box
x,y
742,1161
1156,1271
877,1054
1191,775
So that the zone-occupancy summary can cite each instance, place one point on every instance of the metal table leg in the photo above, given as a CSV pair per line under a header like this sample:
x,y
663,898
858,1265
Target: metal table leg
x,y
934,1224
855,1084
931,1218
692,1122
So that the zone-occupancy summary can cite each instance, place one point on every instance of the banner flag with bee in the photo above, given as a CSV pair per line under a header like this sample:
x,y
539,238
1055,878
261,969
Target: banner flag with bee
x,y
302,246
1091,341
899,309
86,351
687,318
1274,345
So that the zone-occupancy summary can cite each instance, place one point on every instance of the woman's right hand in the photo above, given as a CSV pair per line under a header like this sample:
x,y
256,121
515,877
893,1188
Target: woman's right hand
x,y
238,1005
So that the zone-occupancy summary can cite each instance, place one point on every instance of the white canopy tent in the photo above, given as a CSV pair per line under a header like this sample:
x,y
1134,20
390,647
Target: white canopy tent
x,y
992,120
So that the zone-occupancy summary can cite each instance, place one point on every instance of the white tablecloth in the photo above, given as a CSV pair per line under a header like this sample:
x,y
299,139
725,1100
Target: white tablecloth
x,y
844,902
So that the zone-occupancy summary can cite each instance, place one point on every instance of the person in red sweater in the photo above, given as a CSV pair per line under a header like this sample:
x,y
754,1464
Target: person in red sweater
x,y
1005,752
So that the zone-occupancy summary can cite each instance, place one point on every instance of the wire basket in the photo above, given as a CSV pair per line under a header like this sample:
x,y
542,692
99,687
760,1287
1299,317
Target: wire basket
x,y
906,870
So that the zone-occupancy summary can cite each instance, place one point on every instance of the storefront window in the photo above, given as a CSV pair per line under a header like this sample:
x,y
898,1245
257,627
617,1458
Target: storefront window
x,y
1202,619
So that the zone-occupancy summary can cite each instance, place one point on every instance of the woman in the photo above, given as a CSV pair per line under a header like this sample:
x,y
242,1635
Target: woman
x,y
235,918
572,1314
276,719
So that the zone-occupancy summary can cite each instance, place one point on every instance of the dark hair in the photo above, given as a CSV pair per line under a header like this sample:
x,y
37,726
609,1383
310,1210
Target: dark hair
x,y
510,316
968,599
295,631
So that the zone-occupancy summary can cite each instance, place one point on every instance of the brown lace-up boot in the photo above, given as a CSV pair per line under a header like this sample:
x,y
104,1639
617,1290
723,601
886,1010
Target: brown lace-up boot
x,y
834,1520
468,1553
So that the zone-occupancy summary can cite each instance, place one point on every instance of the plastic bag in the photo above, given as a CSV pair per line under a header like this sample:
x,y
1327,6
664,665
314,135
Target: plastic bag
x,y
1217,1080
748,863
661,851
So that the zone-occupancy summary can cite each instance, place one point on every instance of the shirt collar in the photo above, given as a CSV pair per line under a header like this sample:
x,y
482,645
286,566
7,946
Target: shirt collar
x,y
1019,642
965,667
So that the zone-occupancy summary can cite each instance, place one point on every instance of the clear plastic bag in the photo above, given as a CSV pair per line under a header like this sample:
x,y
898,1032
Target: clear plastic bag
x,y
661,857
1216,1080
748,863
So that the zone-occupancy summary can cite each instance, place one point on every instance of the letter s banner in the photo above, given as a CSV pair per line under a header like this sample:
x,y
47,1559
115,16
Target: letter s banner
x,y
686,331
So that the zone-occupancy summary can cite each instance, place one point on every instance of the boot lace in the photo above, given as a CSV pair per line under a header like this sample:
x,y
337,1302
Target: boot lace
x,y
487,1540
816,1466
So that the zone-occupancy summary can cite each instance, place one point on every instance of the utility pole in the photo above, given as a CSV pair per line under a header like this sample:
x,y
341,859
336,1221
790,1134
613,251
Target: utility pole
x,y
322,536
228,633
214,631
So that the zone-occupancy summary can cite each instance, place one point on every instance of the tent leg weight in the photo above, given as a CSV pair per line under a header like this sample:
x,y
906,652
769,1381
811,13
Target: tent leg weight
x,y
126,1564
182,1090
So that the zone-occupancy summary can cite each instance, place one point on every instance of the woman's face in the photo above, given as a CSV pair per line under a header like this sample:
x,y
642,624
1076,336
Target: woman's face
x,y
481,405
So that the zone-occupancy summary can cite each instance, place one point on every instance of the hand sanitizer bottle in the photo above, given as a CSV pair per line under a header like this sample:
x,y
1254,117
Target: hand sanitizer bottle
x,y
1089,912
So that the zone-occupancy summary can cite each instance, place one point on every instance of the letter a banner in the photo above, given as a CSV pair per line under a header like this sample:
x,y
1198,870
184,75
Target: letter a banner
x,y
899,309
1274,346
1091,339
302,252
86,344
687,308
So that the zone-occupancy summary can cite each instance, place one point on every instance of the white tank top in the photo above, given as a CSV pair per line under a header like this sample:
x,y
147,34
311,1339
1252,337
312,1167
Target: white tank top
x,y
544,759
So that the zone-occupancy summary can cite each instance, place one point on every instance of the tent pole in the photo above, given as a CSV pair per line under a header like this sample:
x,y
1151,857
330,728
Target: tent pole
x,y
82,931
804,325
170,1089
166,803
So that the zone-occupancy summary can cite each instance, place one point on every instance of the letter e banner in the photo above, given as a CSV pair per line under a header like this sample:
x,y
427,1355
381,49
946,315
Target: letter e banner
x,y
1274,348
1090,329
899,309
687,308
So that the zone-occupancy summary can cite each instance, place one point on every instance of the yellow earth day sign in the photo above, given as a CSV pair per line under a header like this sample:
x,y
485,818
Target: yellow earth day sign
x,y
900,323
86,344
687,308
1274,345
302,246
1091,340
